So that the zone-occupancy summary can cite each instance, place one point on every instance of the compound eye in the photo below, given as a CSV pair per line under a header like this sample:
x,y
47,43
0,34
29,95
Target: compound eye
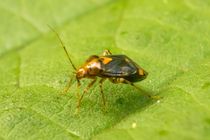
x,y
90,68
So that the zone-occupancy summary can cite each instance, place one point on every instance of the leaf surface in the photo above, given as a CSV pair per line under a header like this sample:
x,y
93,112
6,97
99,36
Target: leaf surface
x,y
169,39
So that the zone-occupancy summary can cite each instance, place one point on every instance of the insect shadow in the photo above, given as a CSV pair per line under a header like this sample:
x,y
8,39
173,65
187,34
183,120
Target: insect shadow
x,y
122,101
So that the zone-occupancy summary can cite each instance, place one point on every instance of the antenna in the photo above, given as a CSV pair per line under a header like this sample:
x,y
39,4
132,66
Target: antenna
x,y
62,44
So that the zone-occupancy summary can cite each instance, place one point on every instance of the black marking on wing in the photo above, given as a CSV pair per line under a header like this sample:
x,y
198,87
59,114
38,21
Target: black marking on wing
x,y
120,66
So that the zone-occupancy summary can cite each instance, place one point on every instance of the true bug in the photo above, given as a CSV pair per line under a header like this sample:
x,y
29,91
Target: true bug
x,y
115,68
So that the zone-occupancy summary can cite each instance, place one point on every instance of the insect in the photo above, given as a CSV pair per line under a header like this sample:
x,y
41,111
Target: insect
x,y
115,68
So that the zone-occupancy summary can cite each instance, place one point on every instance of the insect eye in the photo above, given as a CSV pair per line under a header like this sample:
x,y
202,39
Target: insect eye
x,y
89,67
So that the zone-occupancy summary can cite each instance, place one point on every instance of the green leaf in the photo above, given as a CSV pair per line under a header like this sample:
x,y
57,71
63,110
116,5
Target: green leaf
x,y
169,39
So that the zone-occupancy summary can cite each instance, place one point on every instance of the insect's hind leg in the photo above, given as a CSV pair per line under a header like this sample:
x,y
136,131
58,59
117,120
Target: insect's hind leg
x,y
142,91
106,52
122,80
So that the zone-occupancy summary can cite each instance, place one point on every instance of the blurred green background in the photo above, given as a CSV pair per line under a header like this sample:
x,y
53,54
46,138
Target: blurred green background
x,y
168,38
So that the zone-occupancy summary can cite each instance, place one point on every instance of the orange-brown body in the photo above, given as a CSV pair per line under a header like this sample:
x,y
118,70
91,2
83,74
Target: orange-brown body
x,y
116,68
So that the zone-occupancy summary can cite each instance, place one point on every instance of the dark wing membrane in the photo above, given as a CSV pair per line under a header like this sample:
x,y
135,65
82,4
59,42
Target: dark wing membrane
x,y
120,66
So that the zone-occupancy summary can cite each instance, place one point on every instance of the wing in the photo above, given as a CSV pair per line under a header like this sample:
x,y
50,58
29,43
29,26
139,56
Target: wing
x,y
118,66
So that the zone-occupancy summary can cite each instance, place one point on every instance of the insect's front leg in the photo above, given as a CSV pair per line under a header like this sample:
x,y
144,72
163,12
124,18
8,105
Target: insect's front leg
x,y
78,88
102,93
85,91
106,52
68,86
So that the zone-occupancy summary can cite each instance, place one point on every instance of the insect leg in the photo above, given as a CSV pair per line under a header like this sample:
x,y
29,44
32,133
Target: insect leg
x,y
122,80
142,91
106,52
102,93
68,86
85,91
78,87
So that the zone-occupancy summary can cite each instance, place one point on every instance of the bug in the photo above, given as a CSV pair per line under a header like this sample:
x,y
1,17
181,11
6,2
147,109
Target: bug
x,y
115,68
